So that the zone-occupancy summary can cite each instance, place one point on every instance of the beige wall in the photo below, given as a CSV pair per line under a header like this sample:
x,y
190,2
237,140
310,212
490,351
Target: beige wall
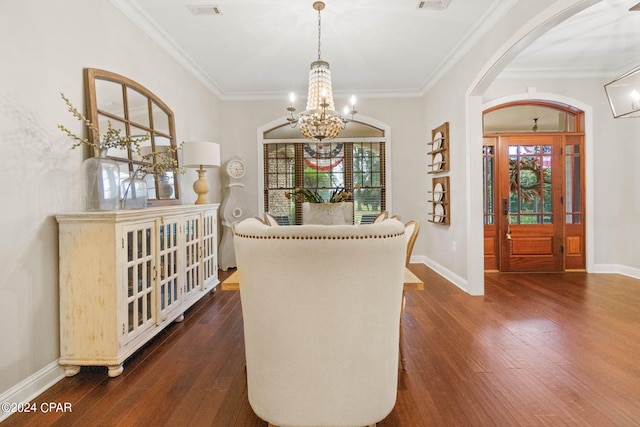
x,y
408,145
45,46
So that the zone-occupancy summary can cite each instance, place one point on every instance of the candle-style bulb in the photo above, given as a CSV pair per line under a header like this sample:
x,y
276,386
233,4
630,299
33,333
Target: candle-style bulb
x,y
292,98
635,99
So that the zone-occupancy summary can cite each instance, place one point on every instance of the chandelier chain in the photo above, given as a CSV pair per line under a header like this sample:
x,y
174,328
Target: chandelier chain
x,y
319,33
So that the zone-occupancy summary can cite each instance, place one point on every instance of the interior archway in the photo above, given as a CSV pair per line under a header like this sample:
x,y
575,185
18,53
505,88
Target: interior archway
x,y
475,105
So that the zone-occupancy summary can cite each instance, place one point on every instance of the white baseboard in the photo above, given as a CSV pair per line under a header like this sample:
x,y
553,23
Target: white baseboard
x,y
617,269
444,272
29,388
463,283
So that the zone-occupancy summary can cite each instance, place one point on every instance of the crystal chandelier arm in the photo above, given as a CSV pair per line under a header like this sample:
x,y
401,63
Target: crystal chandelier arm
x,y
293,121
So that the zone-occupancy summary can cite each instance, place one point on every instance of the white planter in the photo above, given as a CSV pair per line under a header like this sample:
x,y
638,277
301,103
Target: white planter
x,y
327,213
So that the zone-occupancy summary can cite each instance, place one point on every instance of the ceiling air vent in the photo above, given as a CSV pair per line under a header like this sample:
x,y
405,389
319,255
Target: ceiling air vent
x,y
433,4
205,10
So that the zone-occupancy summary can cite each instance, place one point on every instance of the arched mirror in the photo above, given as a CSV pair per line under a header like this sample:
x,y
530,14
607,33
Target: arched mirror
x,y
135,111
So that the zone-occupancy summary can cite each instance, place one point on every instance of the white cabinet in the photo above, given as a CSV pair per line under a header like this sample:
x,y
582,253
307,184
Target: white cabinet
x,y
125,275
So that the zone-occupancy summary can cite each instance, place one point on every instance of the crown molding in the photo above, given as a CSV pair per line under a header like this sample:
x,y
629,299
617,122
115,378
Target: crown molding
x,y
132,11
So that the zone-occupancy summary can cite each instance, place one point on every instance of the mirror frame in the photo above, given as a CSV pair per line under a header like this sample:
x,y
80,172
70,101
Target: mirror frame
x,y
93,112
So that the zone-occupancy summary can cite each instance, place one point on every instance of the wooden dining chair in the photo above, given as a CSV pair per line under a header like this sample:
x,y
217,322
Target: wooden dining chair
x,y
411,230
270,219
381,217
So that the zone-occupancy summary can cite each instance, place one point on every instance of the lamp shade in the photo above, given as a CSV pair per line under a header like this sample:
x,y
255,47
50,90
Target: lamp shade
x,y
197,154
624,94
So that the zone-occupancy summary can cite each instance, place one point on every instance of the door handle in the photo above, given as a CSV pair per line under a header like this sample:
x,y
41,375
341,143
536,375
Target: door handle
x,y
505,212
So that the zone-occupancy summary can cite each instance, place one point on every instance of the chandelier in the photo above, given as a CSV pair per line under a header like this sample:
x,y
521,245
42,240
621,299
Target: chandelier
x,y
320,121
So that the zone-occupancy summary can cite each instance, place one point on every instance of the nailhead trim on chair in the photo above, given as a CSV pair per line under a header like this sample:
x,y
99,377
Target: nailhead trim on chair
x,y
384,236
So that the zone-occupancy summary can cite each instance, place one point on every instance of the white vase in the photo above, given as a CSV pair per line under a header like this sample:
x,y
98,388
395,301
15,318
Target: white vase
x,y
165,189
327,213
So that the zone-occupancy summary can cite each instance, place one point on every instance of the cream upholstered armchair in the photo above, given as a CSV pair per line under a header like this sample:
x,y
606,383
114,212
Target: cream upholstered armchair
x,y
321,311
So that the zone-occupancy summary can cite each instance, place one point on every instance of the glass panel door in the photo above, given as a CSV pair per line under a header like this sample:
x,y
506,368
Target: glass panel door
x,y
140,286
192,255
530,203
209,245
168,277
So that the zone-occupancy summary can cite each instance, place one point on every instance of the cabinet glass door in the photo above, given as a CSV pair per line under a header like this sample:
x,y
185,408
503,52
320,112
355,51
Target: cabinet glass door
x,y
140,289
168,277
209,245
193,279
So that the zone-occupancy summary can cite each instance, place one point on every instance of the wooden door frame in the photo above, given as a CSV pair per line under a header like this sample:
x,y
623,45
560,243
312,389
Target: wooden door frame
x,y
574,236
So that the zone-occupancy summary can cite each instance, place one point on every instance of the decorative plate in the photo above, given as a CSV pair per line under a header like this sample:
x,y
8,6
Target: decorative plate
x,y
439,213
437,192
437,141
437,162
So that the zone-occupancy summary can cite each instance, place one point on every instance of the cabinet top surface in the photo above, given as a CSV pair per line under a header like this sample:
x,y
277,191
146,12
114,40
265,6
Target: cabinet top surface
x,y
132,214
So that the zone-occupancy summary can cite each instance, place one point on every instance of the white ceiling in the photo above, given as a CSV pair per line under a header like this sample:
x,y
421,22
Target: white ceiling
x,y
601,41
259,49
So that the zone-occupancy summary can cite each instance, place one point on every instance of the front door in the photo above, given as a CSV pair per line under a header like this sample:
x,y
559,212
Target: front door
x,y
530,203
534,187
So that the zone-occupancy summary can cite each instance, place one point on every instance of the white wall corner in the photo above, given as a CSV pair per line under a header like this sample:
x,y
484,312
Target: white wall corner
x,y
447,274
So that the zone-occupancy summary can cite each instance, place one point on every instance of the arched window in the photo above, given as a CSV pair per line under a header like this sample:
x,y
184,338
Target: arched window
x,y
533,116
355,162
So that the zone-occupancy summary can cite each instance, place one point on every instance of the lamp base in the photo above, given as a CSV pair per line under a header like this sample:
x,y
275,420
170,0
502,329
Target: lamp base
x,y
201,187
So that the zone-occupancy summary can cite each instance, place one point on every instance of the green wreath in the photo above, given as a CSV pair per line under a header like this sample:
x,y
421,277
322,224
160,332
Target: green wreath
x,y
529,191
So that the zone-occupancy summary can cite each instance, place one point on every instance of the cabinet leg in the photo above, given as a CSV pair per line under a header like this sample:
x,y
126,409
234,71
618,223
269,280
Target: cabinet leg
x,y
115,370
71,370
180,318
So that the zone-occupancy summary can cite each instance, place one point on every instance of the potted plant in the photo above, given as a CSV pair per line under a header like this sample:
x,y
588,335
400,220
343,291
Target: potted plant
x,y
335,210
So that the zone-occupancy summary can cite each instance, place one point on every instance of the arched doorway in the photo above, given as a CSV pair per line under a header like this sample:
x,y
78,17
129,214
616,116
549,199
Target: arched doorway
x,y
476,104
533,198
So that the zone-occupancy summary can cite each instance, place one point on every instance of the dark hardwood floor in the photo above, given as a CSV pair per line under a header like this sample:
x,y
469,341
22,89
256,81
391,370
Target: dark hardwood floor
x,y
536,350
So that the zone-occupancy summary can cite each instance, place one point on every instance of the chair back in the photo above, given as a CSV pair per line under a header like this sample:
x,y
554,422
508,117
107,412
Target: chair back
x,y
321,312
381,217
411,230
270,219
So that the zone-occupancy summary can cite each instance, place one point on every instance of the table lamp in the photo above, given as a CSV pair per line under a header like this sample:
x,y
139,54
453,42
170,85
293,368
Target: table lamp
x,y
201,154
